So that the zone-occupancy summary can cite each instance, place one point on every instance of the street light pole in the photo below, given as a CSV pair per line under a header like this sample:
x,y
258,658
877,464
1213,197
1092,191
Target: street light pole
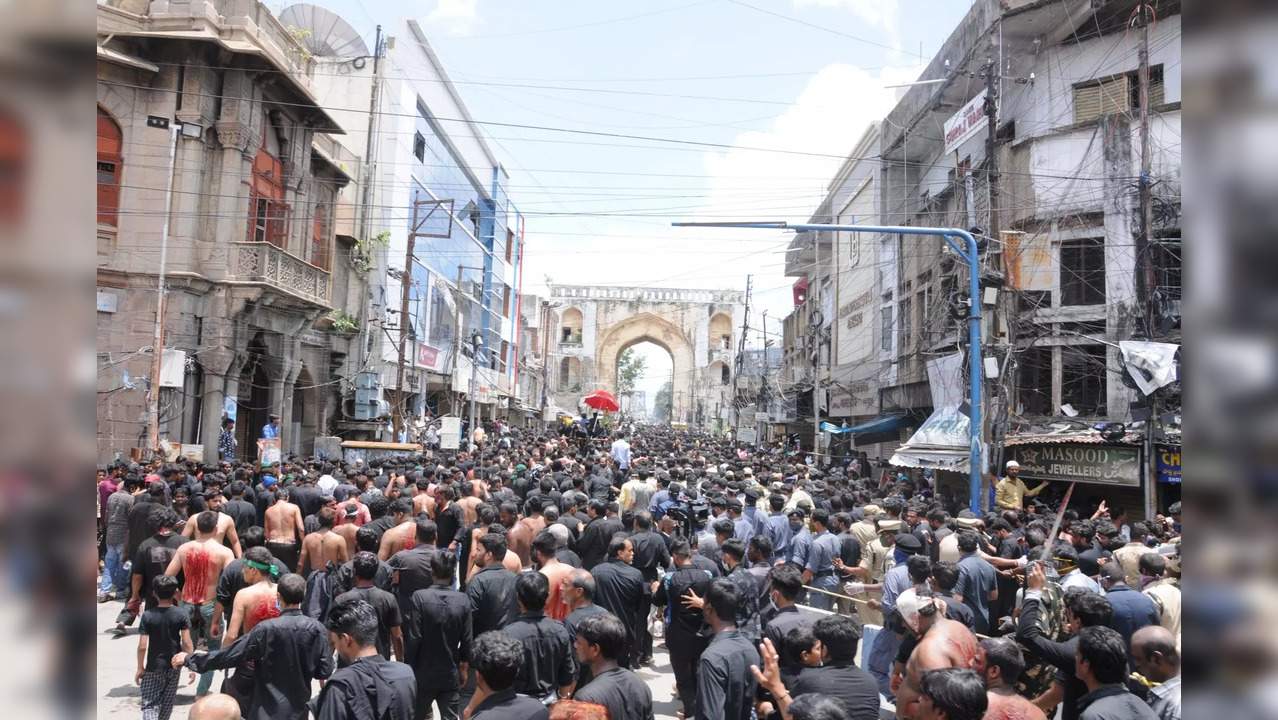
x,y
970,254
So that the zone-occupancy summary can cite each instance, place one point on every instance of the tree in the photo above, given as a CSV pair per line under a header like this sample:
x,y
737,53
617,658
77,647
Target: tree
x,y
661,404
630,367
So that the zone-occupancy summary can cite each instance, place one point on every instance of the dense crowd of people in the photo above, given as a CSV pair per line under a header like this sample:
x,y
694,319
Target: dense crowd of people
x,y
528,578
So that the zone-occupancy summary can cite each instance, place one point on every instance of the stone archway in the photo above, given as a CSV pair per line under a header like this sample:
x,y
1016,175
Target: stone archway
x,y
646,327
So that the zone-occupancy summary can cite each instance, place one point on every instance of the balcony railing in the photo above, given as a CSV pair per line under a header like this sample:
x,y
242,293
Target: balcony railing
x,y
570,341
265,263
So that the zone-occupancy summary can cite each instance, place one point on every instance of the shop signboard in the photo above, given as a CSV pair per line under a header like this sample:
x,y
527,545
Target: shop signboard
x,y
1168,464
1074,462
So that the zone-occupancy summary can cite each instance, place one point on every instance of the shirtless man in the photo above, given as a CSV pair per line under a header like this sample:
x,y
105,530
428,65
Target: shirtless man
x,y
424,500
1000,663
284,528
203,559
520,536
943,643
225,532
469,502
257,601
403,536
322,547
544,547
348,529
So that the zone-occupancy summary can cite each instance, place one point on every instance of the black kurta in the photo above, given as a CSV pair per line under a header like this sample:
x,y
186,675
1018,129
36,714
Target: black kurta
x,y
370,687
288,652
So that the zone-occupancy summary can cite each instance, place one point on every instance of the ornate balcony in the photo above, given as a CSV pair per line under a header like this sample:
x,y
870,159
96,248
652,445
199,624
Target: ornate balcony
x,y
264,263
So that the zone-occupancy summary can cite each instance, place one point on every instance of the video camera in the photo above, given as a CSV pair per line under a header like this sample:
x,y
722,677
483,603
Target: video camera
x,y
688,515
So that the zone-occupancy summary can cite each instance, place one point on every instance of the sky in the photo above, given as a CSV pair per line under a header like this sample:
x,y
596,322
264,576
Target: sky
x,y
733,110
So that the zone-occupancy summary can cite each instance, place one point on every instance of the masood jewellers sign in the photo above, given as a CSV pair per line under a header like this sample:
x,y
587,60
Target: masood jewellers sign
x,y
1102,464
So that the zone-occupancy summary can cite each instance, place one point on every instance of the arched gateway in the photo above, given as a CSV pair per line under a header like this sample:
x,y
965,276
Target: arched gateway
x,y
595,324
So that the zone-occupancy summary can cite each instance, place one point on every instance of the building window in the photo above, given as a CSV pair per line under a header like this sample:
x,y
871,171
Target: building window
x,y
885,342
510,246
1083,272
505,303
906,330
269,220
505,354
1116,94
319,237
1164,257
725,375
269,215
419,147
1035,366
1083,379
110,144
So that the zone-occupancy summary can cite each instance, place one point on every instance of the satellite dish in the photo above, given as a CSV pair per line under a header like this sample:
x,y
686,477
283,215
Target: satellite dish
x,y
331,36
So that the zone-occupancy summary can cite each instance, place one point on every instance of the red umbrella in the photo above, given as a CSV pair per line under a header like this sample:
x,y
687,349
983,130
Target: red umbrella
x,y
601,400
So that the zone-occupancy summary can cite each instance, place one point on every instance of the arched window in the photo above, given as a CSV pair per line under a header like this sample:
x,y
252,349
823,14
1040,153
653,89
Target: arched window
x,y
110,146
721,331
569,373
570,327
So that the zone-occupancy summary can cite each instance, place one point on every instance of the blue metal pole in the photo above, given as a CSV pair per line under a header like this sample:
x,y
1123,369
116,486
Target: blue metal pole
x,y
968,253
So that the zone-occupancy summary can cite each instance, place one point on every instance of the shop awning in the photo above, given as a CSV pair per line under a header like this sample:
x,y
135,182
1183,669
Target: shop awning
x,y
879,429
941,443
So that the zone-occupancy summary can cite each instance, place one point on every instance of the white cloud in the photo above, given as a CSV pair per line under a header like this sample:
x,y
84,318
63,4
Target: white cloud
x,y
880,13
826,120
455,16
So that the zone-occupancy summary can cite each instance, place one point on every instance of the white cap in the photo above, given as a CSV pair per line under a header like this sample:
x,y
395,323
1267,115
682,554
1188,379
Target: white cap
x,y
1013,464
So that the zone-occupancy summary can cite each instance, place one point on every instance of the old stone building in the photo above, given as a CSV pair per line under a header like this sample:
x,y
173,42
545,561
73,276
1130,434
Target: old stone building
x,y
207,106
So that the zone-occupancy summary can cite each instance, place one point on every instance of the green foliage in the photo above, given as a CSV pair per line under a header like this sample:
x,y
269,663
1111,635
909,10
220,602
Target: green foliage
x,y
340,322
661,404
630,367
362,255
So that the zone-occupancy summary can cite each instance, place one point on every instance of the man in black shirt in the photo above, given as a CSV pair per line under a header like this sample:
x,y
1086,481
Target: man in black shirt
x,y
366,540
578,593
651,558
492,588
306,497
945,577
838,675
389,619
413,566
684,639
548,657
600,640
288,652
150,561
441,648
240,510
619,589
498,659
725,685
450,522
369,686
787,586
748,608
593,545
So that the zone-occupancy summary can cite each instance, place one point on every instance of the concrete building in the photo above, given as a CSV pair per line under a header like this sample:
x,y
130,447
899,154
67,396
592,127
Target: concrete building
x,y
431,163
1060,222
255,235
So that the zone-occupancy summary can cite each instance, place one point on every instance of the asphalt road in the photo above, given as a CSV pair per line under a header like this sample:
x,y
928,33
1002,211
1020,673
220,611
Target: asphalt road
x,y
118,696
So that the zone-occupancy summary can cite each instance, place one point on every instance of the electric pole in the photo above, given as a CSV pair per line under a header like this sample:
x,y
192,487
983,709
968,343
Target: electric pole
x,y
405,284
740,360
1144,249
991,73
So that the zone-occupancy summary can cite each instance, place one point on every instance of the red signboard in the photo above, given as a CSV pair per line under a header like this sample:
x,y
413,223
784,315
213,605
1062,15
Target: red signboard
x,y
427,356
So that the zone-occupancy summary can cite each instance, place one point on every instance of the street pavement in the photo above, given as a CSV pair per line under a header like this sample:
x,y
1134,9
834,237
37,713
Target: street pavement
x,y
118,696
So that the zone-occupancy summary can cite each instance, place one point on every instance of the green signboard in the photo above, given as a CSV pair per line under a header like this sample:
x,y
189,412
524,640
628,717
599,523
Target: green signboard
x,y
1100,464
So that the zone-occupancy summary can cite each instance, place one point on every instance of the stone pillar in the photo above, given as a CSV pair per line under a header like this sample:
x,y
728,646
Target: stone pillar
x,y
218,363
290,366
